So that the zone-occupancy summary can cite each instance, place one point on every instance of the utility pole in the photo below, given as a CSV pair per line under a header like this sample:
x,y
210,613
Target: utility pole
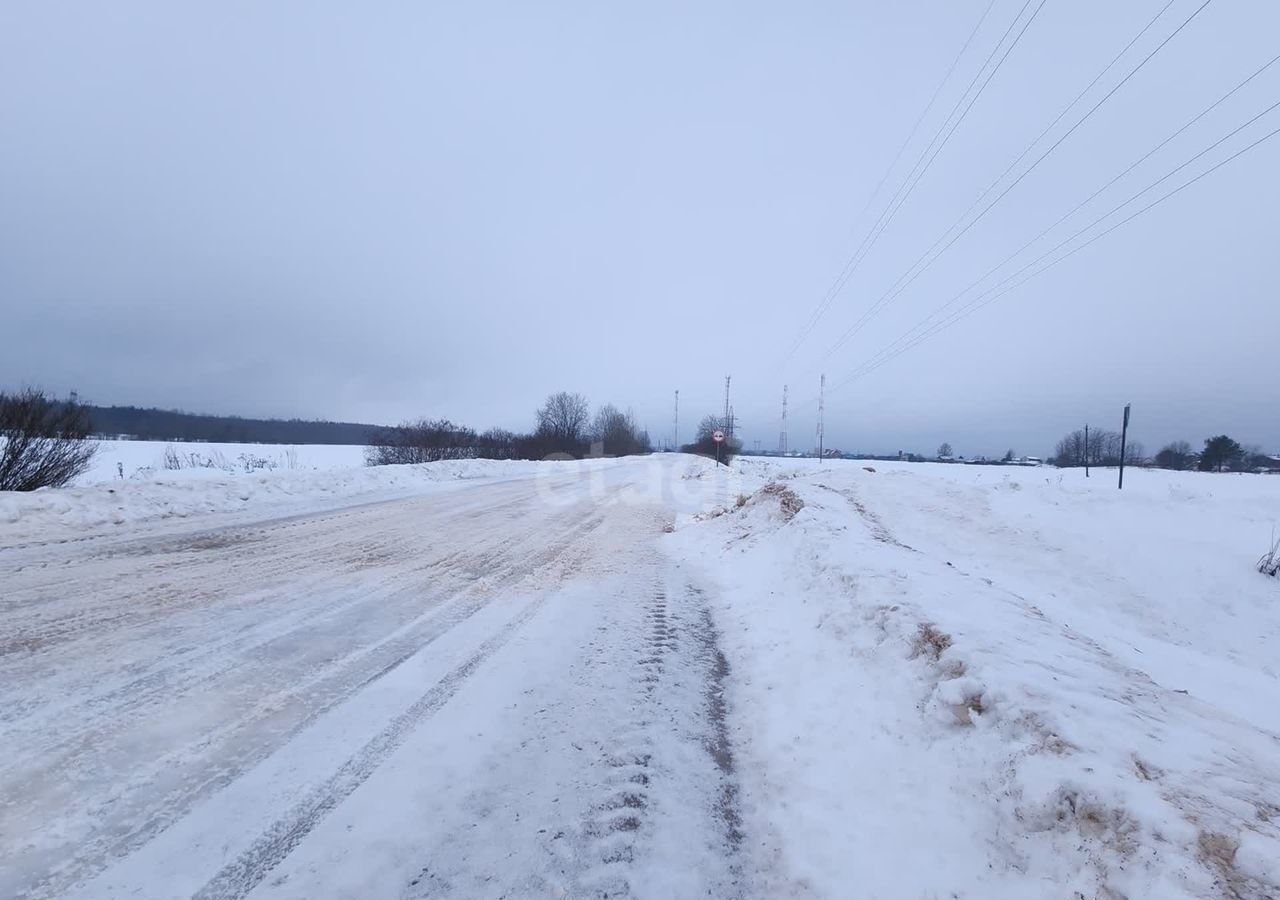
x,y
782,437
1124,437
675,426
1086,450
822,389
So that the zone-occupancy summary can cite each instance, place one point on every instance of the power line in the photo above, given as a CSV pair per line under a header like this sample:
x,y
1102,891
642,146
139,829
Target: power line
x,y
1066,109
999,290
823,304
1204,112
908,278
873,235
930,330
972,101
928,106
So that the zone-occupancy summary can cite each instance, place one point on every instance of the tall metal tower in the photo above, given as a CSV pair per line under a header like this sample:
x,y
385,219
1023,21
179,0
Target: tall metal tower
x,y
822,389
782,435
675,426
728,413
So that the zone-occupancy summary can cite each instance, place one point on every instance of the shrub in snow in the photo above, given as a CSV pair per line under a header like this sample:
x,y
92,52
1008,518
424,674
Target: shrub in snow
x,y
192,459
788,501
1270,562
43,442
253,463
930,642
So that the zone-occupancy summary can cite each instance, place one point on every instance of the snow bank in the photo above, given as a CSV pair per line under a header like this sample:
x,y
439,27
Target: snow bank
x,y
994,683
53,514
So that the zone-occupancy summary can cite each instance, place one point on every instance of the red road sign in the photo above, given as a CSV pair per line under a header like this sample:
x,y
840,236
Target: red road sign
x,y
717,436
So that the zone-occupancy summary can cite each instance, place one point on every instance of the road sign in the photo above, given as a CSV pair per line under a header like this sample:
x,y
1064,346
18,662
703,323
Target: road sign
x,y
717,436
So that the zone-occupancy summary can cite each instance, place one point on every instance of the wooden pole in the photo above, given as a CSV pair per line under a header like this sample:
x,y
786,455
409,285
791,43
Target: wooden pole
x,y
1124,437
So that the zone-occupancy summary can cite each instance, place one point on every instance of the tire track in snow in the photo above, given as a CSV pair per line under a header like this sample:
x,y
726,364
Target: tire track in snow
x,y
674,704
719,745
147,817
283,554
186,674
613,830
238,878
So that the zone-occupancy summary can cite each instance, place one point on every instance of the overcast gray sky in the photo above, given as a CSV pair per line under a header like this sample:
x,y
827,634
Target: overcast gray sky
x,y
379,211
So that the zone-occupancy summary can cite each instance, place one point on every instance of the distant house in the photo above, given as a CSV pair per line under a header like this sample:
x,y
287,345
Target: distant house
x,y
1268,465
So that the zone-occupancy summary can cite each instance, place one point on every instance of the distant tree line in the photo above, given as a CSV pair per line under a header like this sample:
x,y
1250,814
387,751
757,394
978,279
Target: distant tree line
x,y
172,425
1219,454
564,428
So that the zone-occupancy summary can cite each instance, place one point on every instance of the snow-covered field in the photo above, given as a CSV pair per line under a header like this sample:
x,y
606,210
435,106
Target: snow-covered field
x,y
644,677
988,682
143,460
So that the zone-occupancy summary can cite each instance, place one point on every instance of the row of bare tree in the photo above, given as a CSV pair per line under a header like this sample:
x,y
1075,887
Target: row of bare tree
x,y
1099,448
565,427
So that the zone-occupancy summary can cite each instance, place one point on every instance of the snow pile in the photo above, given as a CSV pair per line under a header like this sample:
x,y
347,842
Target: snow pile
x,y
986,683
53,514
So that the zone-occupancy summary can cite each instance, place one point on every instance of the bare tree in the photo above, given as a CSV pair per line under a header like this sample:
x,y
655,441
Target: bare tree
x,y
944,452
617,432
1071,451
709,426
1101,449
1177,455
1252,458
706,445
43,442
564,417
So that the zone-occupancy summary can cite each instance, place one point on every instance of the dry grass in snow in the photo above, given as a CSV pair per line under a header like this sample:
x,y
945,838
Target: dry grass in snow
x,y
959,682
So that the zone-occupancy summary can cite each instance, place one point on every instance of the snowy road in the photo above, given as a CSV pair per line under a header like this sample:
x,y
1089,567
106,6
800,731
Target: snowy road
x,y
502,690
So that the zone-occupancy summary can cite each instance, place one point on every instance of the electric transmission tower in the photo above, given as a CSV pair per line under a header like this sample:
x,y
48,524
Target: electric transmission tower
x,y
728,412
675,426
822,388
782,435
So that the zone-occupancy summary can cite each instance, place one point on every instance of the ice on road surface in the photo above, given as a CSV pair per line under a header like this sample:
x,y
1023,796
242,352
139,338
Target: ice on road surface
x,y
495,690
641,678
